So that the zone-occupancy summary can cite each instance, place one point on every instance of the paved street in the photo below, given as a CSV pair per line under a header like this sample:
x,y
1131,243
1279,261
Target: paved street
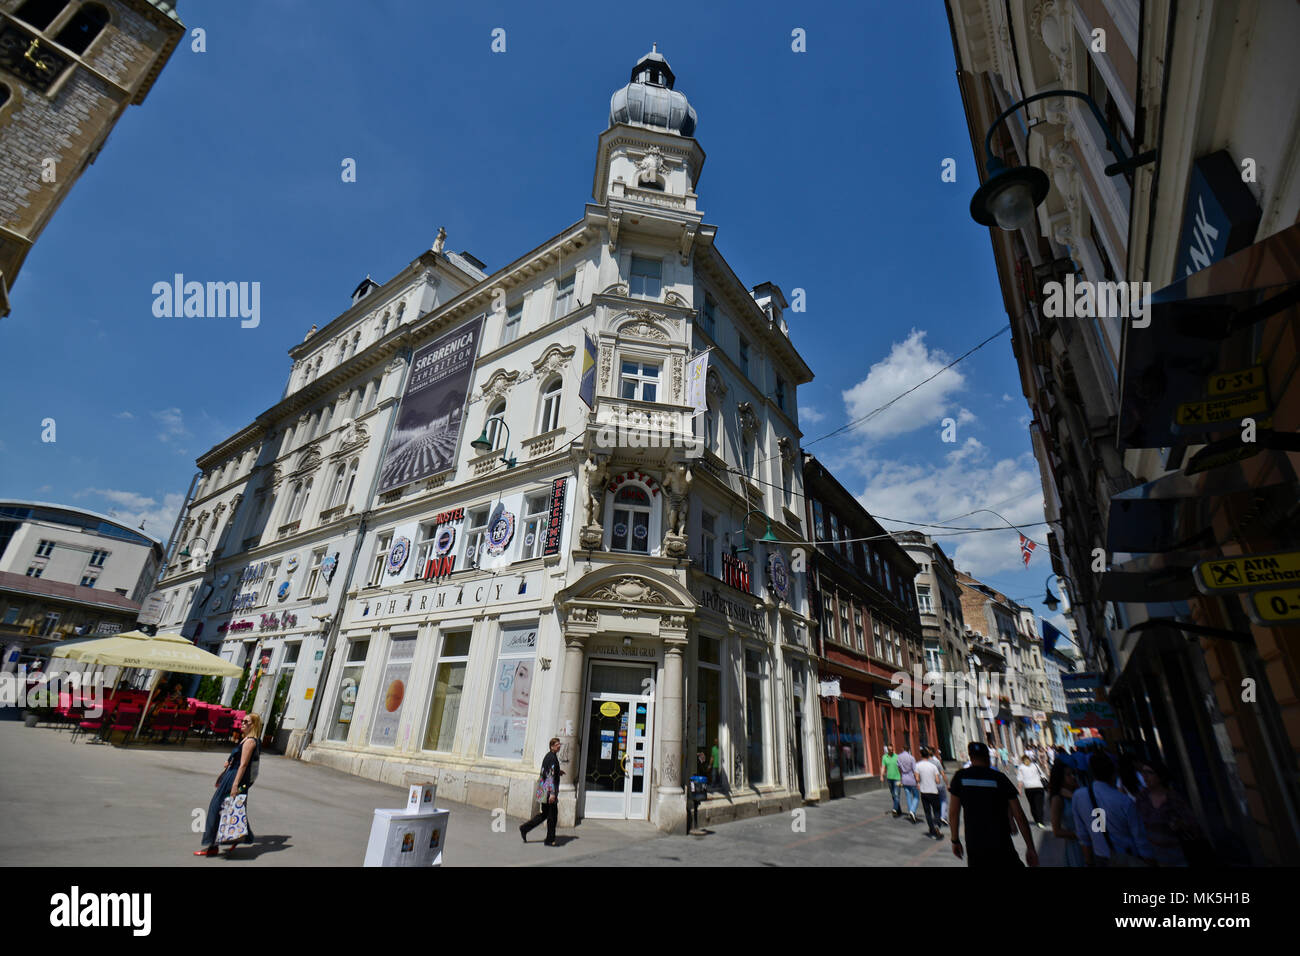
x,y
84,804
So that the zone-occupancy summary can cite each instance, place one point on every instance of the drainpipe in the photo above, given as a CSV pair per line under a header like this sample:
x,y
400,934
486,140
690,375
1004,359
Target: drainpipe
x,y
301,739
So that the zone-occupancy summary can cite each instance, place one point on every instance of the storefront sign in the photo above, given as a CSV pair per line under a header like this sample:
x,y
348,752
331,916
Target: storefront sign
x,y
328,566
233,626
555,517
501,529
1273,608
291,565
1247,573
1229,383
610,709
427,432
283,591
447,517
828,688
1190,415
778,575
254,572
480,593
397,555
737,573
1083,696
272,622
731,609
625,650
242,602
1220,216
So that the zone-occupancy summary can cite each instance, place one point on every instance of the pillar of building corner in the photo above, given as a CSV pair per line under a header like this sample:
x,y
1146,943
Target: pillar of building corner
x,y
670,797
570,721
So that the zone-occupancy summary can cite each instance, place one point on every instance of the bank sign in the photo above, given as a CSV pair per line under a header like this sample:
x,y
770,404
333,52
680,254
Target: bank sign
x,y
1220,216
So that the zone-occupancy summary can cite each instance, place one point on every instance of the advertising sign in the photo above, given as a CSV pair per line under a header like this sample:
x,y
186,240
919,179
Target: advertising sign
x,y
427,433
555,517
511,692
1248,572
1083,696
392,692
587,382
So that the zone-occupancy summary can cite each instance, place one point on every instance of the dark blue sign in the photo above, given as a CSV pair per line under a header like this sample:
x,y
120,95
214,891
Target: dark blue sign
x,y
1220,216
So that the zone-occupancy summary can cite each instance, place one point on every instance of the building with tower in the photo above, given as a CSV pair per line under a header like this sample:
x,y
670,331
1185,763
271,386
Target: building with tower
x,y
567,518
68,71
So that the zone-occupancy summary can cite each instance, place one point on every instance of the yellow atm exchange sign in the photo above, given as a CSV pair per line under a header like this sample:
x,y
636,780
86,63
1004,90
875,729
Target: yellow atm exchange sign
x,y
1249,572
1275,607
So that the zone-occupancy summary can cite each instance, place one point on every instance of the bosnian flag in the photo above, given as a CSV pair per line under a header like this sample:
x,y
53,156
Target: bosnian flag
x,y
1026,549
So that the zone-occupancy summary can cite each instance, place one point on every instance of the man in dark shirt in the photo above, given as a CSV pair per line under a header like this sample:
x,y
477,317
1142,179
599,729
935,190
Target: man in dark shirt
x,y
988,797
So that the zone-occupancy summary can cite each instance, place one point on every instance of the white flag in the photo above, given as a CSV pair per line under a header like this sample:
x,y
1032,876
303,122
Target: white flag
x,y
697,370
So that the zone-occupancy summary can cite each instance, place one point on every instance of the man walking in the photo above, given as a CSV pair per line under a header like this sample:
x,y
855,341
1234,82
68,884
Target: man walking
x,y
889,772
907,780
929,777
937,758
1030,781
1101,810
988,797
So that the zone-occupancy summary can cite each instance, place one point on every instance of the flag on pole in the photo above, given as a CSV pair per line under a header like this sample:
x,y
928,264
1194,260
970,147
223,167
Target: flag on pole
x,y
587,381
1050,636
1027,549
697,370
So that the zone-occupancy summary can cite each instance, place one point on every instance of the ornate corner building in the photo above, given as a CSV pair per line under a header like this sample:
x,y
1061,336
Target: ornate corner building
x,y
68,71
551,499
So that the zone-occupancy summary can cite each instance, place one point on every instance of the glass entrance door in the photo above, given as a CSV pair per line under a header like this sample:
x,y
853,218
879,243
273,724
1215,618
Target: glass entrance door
x,y
617,756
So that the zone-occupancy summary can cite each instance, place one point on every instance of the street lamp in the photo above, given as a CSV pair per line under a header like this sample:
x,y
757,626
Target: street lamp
x,y
185,552
483,443
1049,598
768,536
1008,197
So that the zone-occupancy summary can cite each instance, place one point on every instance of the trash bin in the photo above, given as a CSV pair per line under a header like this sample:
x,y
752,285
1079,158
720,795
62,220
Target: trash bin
x,y
698,792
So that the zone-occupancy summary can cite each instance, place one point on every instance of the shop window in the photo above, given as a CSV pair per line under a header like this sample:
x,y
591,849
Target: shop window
x,y
448,687
536,516
708,704
349,681
630,527
852,752
392,692
754,682
512,683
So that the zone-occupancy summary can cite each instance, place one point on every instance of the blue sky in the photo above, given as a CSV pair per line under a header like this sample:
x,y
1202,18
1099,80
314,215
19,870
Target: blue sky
x,y
823,173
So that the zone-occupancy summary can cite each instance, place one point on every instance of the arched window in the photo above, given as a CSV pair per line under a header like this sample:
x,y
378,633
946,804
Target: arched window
x,y
495,433
629,528
84,26
40,13
383,326
298,500
551,406
352,480
336,491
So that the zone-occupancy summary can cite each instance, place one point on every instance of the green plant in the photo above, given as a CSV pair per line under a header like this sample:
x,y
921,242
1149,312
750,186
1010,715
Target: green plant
x,y
277,706
209,690
240,689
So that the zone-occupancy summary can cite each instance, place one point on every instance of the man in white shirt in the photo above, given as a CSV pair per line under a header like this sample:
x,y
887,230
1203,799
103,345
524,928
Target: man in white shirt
x,y
1031,785
928,778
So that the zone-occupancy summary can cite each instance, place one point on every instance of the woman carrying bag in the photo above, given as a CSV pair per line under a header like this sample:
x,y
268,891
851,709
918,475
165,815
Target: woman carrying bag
x,y
229,822
547,793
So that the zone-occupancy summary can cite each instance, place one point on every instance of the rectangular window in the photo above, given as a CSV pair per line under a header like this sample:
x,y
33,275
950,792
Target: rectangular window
x,y
34,571
819,524
424,540
708,316
639,380
708,542
512,685
97,559
708,707
384,542
313,574
475,537
372,394
88,580
835,531
754,680
743,357
780,393
537,510
879,650
514,319
923,596
44,549
630,528
846,636
852,755
11,615
350,681
646,279
564,296
859,636
49,624
448,686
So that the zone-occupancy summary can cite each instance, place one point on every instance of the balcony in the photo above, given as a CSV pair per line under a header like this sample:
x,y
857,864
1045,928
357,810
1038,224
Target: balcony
x,y
654,432
542,444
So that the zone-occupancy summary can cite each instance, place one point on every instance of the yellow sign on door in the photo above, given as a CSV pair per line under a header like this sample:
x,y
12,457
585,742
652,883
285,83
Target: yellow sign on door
x,y
1250,572
1223,409
610,709
1276,607
1226,383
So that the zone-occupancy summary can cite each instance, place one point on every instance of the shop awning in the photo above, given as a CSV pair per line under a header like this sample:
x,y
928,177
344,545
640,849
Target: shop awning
x,y
1184,376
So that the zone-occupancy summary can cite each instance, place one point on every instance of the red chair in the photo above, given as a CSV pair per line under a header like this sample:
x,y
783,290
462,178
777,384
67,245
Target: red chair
x,y
181,723
223,725
126,718
161,724
93,723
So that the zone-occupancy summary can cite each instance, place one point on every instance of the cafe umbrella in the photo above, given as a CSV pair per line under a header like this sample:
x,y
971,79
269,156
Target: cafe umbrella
x,y
159,653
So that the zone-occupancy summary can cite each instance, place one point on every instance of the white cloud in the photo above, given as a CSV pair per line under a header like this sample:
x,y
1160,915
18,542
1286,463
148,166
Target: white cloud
x,y
807,413
1007,398
965,416
968,479
173,424
131,508
44,488
908,363
124,415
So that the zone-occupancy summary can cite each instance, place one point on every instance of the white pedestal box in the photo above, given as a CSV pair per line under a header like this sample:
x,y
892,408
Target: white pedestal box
x,y
399,838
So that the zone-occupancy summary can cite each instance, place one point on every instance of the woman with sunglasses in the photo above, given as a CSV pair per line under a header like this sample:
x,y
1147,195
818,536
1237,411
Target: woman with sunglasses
x,y
238,775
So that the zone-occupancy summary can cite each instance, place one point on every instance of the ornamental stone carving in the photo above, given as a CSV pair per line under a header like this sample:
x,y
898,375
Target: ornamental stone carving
x,y
498,384
554,359
630,589
354,435
678,376
672,298
786,449
643,330
618,288
1051,22
748,420
650,168
606,360
714,386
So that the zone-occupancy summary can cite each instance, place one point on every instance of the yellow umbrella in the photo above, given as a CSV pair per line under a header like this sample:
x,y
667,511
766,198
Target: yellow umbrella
x,y
158,652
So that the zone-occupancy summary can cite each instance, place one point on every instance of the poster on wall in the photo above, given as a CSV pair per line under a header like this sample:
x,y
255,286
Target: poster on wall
x,y
427,434
392,693
511,691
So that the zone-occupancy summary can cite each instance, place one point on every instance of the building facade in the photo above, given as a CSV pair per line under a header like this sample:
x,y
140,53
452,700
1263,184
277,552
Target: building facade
x,y
68,71
869,642
553,531
943,631
1136,448
68,572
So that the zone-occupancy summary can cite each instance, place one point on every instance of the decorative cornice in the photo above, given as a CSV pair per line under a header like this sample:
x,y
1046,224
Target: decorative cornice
x,y
553,359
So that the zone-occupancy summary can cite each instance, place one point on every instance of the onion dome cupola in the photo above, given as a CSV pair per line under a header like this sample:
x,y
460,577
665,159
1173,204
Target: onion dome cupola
x,y
650,100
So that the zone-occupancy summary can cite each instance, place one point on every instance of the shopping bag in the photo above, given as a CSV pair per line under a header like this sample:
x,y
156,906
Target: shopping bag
x,y
234,820
544,790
